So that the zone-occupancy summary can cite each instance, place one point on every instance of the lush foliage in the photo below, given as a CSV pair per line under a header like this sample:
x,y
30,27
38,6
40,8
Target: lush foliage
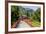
x,y
17,11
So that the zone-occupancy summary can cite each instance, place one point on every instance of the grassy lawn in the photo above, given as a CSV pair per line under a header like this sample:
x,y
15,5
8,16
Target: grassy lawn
x,y
36,24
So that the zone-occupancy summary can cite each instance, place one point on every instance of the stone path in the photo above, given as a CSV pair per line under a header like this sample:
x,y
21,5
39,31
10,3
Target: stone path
x,y
23,24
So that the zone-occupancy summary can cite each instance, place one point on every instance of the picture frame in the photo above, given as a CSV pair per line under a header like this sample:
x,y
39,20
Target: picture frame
x,y
20,30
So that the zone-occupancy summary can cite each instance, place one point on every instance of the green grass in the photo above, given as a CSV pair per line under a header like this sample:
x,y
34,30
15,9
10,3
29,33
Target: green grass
x,y
36,24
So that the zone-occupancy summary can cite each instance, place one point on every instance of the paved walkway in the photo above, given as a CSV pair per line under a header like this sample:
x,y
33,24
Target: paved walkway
x,y
23,24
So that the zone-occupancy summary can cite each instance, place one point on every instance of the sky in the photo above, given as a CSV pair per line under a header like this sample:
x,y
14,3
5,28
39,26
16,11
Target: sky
x,y
32,7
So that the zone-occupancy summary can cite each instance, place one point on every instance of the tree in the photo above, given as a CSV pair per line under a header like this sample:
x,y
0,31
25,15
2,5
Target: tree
x,y
14,13
38,14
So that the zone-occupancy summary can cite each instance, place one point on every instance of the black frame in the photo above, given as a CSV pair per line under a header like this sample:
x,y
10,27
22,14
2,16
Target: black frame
x,y
6,16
